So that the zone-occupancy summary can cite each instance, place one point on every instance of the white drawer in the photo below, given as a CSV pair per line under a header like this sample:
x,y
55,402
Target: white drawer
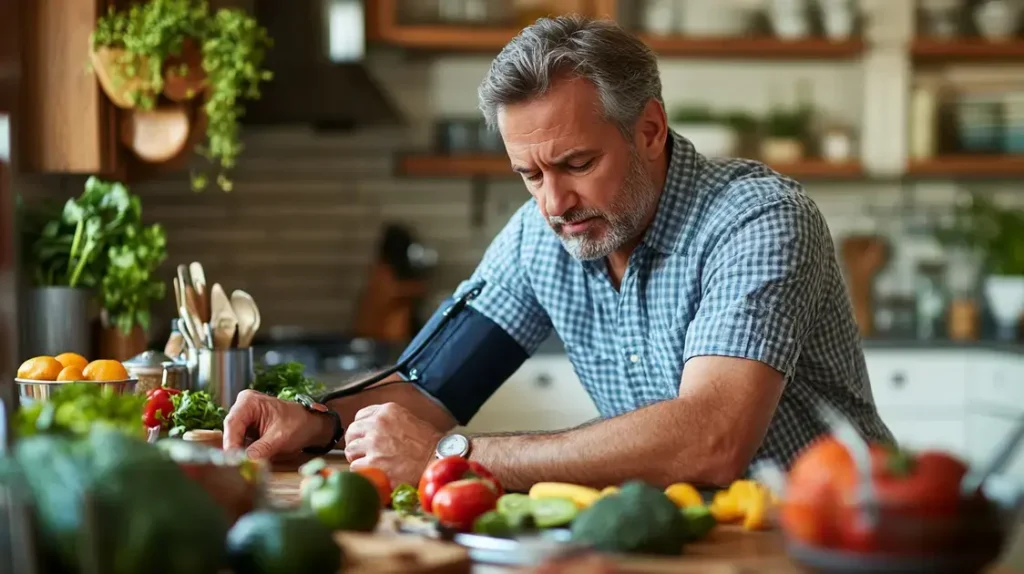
x,y
985,434
917,433
917,379
998,383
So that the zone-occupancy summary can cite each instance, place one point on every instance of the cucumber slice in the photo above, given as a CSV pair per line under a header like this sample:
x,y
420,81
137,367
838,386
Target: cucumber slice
x,y
552,512
514,504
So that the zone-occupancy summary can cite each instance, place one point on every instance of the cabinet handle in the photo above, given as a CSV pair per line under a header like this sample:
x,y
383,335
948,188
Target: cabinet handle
x,y
543,381
899,380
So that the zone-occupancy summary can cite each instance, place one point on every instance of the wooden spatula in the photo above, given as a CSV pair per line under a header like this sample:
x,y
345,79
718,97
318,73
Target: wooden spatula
x,y
248,315
195,269
223,321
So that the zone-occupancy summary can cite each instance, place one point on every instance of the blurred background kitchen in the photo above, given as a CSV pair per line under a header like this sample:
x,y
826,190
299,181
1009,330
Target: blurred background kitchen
x,y
367,188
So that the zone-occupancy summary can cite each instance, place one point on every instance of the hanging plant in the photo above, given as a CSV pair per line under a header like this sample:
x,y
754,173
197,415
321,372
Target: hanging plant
x,y
178,49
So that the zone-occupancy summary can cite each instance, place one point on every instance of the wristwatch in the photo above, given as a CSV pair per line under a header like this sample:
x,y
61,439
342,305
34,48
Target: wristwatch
x,y
453,445
314,407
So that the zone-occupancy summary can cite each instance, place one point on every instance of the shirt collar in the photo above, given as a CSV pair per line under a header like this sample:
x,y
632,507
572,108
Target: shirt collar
x,y
666,229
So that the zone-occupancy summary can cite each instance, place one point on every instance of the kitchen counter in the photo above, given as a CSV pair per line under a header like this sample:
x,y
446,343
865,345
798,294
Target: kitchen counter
x,y
728,550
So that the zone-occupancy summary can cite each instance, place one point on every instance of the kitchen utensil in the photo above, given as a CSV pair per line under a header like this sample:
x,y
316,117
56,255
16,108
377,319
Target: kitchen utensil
x,y
31,391
154,369
978,475
248,315
198,274
178,299
224,372
864,257
190,343
192,328
223,321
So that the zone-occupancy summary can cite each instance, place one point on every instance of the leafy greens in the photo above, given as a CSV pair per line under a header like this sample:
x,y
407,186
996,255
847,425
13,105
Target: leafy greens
x,y
195,410
285,381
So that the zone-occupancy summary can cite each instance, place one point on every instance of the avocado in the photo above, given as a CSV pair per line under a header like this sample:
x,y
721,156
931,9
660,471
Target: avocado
x,y
113,503
638,519
282,542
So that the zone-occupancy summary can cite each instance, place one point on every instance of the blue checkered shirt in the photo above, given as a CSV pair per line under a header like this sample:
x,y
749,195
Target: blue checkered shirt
x,y
738,262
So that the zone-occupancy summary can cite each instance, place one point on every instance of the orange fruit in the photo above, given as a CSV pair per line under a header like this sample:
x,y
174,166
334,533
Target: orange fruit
x,y
72,360
105,370
71,373
42,368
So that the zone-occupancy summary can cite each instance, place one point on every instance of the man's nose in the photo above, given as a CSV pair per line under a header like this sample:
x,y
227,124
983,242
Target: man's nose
x,y
558,197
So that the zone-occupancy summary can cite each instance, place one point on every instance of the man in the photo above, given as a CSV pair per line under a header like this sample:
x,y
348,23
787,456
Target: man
x,y
699,301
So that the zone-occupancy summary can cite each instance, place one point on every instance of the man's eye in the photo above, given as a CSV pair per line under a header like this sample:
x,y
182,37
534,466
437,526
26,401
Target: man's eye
x,y
535,176
582,166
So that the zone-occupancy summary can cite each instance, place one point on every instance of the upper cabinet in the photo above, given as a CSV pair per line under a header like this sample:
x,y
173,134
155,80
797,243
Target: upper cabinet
x,y
674,29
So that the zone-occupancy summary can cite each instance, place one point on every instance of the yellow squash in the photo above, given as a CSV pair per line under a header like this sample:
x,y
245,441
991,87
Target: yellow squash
x,y
583,496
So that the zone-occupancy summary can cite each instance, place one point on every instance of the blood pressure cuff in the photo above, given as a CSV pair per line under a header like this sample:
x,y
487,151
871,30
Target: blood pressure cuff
x,y
465,363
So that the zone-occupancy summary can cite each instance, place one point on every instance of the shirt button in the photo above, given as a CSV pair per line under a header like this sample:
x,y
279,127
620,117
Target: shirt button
x,y
634,358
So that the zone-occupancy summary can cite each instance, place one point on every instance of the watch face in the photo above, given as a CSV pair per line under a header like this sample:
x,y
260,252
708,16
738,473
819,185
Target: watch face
x,y
453,445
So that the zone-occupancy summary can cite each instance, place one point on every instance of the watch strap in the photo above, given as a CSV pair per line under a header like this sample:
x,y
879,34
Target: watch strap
x,y
322,409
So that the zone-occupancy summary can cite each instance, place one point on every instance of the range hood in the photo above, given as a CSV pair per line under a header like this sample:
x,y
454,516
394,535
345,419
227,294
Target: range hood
x,y
320,77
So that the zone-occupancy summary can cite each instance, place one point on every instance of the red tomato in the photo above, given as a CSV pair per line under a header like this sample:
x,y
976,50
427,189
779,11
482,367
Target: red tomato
x,y
458,504
449,469
158,409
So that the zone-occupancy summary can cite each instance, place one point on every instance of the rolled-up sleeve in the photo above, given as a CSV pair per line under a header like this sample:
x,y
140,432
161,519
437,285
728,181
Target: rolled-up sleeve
x,y
508,298
762,283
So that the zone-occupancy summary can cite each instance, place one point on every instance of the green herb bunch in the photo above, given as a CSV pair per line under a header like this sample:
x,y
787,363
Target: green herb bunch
x,y
996,234
98,241
195,410
233,47
285,381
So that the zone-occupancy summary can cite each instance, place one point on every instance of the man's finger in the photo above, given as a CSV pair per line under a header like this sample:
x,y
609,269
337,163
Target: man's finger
x,y
354,450
358,429
261,449
237,423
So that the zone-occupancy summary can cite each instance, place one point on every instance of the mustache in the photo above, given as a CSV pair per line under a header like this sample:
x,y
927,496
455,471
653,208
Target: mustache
x,y
574,216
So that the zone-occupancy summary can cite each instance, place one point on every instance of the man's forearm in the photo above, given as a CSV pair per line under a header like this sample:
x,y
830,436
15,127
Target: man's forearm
x,y
672,441
394,390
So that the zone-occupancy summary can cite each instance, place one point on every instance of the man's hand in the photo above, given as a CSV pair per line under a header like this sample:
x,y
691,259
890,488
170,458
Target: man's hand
x,y
391,438
284,427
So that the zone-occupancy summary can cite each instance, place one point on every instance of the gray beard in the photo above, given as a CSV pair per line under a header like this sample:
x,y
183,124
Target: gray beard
x,y
635,201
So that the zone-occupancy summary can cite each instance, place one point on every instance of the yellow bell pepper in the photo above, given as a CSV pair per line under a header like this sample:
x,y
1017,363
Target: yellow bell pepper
x,y
684,495
746,501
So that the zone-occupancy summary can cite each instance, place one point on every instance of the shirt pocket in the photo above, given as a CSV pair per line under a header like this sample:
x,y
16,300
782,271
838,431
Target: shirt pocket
x,y
665,348
602,380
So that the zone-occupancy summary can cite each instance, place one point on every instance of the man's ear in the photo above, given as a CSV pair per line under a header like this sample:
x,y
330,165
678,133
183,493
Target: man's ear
x,y
651,130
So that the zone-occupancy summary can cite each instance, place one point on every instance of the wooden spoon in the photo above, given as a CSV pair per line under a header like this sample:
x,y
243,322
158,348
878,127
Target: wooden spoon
x,y
223,321
248,316
195,269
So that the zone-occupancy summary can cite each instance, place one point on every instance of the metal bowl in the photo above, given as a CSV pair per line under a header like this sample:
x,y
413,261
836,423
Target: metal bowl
x,y
30,390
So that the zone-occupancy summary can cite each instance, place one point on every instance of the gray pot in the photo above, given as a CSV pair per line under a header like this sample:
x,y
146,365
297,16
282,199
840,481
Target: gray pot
x,y
56,320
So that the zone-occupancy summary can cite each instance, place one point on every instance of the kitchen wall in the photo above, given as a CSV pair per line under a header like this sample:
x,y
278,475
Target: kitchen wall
x,y
300,227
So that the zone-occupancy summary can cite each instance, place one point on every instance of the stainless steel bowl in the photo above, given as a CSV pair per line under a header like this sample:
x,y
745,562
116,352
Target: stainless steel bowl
x,y
30,390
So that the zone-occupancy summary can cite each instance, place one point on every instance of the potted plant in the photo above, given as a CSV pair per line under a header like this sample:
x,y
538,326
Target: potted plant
x,y
785,135
64,258
130,286
995,237
176,50
710,134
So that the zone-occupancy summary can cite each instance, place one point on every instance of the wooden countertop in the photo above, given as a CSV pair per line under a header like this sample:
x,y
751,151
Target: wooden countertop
x,y
728,550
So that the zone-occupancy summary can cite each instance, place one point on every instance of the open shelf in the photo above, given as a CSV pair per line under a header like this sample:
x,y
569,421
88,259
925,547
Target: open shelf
x,y
763,48
967,50
969,166
492,165
465,39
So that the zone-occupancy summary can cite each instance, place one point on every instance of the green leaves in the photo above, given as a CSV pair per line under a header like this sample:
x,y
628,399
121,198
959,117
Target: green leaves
x,y
994,233
285,381
195,410
98,241
233,48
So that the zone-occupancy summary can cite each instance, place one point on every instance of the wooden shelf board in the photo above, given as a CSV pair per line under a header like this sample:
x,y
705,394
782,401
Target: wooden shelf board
x,y
968,166
483,39
489,165
754,47
967,49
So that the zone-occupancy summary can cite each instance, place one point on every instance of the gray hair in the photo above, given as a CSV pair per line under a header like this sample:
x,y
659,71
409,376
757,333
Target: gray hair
x,y
622,68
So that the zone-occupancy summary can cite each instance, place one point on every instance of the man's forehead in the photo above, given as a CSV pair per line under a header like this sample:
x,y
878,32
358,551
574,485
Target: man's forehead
x,y
570,106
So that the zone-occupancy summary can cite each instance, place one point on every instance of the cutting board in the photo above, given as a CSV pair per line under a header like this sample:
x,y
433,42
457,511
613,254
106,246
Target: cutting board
x,y
381,552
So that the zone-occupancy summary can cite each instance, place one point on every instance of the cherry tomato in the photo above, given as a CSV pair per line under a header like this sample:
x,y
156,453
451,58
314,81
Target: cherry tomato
x,y
158,409
449,469
380,479
458,504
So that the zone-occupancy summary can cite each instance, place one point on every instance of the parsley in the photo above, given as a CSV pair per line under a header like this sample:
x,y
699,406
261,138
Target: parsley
x,y
195,410
285,381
